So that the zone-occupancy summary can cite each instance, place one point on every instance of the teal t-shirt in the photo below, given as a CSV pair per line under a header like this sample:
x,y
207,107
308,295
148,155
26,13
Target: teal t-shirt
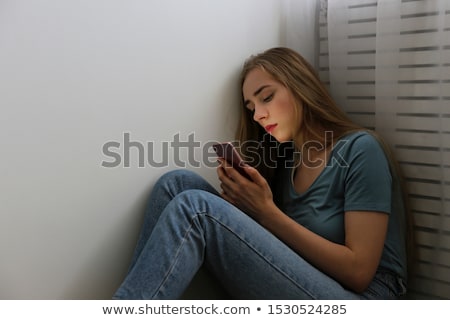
x,y
355,178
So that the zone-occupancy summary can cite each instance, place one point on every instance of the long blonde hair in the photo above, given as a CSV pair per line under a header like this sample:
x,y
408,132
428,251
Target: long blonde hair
x,y
319,112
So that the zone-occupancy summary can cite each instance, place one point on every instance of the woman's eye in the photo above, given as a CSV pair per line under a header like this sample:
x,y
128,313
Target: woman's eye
x,y
268,98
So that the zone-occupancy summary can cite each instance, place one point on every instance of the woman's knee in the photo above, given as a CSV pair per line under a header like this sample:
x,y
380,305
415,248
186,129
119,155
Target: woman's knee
x,y
180,176
176,180
179,180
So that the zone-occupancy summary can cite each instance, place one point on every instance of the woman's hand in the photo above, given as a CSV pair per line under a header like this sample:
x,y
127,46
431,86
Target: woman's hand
x,y
251,196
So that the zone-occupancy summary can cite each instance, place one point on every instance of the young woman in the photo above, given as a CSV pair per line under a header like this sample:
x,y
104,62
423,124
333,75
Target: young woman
x,y
321,217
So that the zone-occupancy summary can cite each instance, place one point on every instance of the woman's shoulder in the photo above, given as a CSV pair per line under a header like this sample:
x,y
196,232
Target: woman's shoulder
x,y
360,136
359,139
360,143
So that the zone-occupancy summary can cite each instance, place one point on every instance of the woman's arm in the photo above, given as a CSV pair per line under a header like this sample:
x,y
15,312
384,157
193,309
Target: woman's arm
x,y
352,264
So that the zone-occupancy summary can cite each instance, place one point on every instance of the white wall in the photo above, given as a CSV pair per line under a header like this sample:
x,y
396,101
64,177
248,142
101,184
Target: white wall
x,y
301,28
77,74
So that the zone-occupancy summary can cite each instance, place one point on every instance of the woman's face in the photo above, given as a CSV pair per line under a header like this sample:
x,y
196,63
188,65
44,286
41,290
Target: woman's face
x,y
272,104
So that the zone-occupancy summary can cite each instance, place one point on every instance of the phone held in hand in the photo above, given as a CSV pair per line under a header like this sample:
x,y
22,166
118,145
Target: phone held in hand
x,y
228,152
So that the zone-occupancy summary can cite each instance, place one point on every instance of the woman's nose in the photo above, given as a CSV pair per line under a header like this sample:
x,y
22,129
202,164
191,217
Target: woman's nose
x,y
260,113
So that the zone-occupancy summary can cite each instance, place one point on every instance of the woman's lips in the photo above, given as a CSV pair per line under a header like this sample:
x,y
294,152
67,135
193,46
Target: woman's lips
x,y
270,127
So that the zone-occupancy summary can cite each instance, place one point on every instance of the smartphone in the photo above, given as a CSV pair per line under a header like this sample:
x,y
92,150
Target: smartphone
x,y
228,152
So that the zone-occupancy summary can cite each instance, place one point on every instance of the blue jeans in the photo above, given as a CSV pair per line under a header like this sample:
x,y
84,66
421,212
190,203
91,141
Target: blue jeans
x,y
187,225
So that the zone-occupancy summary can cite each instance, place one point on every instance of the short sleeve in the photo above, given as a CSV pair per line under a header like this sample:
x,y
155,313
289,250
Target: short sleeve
x,y
368,179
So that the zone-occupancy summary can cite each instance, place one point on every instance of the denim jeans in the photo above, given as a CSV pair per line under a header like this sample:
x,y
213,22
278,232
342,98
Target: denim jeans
x,y
187,225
